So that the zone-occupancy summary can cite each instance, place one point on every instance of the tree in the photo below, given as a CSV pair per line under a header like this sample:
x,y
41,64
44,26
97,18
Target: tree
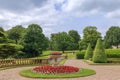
x,y
3,37
89,52
99,55
7,50
53,45
76,38
112,37
34,40
90,35
1,29
16,33
61,41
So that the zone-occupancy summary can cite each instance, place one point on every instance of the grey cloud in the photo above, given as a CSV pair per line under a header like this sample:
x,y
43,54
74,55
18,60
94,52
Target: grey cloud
x,y
89,6
102,5
20,5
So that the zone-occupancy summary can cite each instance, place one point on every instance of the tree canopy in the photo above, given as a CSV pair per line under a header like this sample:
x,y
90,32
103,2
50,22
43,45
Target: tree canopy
x,y
34,40
16,33
76,38
62,41
1,29
90,35
112,36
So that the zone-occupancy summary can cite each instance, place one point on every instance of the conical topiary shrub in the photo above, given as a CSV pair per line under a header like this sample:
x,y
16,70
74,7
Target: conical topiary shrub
x,y
99,55
88,53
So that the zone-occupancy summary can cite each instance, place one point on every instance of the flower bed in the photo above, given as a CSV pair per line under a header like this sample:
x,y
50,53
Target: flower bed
x,y
55,69
55,53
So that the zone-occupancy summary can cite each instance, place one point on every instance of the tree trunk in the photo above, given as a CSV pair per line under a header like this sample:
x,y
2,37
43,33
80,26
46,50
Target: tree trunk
x,y
117,46
16,41
62,51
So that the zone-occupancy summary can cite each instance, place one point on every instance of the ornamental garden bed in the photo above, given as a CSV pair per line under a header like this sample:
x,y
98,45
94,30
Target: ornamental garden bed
x,y
56,72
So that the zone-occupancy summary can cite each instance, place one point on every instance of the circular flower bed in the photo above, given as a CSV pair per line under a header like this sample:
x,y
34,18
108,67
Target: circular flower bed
x,y
55,69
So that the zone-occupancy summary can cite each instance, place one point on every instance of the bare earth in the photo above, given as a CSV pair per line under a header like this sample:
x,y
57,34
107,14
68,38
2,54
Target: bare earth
x,y
105,72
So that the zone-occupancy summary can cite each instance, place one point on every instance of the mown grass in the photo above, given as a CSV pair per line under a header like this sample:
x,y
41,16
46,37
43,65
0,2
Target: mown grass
x,y
83,72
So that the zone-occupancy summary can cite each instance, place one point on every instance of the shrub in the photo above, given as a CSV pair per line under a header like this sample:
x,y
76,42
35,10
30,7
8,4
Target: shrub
x,y
19,54
88,53
99,55
80,54
7,50
113,53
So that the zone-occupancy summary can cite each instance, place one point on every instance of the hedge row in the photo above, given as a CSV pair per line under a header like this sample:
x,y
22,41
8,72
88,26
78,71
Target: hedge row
x,y
80,54
111,53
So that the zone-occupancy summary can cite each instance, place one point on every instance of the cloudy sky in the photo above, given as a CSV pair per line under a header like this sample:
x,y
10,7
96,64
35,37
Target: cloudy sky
x,y
60,15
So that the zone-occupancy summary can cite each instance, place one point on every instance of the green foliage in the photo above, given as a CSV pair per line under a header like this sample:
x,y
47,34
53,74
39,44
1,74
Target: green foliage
x,y
113,53
90,35
76,38
99,55
19,54
80,54
34,40
74,34
89,52
7,50
82,45
1,29
16,33
61,41
112,37
3,37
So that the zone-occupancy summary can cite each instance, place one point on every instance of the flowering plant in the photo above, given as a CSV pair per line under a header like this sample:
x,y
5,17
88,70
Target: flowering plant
x,y
55,53
55,69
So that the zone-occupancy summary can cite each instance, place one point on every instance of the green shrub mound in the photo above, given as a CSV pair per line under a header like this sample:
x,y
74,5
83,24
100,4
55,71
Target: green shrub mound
x,y
99,55
88,53
81,73
80,54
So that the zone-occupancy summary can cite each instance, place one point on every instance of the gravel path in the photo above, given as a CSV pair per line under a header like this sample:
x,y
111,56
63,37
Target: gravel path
x,y
105,72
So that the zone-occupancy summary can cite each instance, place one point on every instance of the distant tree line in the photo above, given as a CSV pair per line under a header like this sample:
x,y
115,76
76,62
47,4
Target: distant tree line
x,y
31,41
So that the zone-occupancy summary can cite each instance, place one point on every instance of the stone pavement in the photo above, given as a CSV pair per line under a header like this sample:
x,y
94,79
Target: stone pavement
x,y
103,72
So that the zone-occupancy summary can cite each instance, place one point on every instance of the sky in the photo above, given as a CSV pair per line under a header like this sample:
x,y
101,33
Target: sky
x,y
60,15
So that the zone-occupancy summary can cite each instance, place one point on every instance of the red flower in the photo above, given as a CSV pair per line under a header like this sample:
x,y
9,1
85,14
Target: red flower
x,y
55,69
55,53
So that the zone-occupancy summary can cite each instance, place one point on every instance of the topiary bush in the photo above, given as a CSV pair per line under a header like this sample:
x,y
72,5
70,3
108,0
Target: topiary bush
x,y
99,55
89,52
80,54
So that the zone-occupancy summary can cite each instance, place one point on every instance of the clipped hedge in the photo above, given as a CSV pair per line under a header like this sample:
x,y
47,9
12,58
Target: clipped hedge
x,y
99,55
111,53
80,54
